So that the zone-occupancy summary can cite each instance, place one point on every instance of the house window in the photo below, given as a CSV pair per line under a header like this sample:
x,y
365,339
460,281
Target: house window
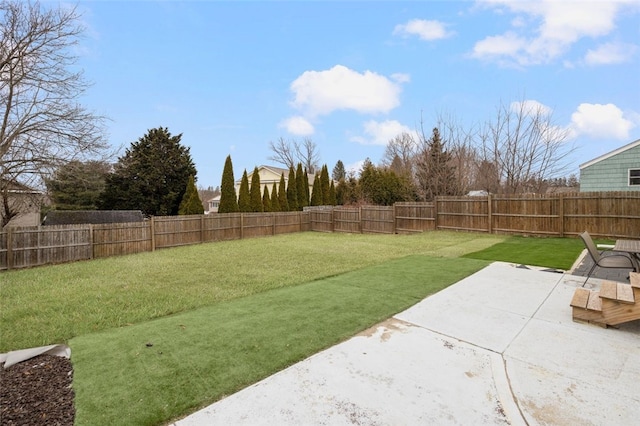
x,y
634,177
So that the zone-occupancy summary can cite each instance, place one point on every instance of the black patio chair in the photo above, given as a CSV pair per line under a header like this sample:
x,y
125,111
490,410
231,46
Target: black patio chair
x,y
618,260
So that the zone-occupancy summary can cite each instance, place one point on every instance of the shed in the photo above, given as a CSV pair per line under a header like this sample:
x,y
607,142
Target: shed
x,y
618,170
77,217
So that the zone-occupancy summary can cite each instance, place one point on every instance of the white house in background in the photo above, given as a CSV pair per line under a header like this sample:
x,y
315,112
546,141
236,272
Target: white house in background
x,y
618,170
212,205
270,175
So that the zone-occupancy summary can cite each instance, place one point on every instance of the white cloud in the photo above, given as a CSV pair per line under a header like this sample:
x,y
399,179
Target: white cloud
x,y
531,107
298,126
557,26
601,121
610,53
381,132
494,47
339,88
425,30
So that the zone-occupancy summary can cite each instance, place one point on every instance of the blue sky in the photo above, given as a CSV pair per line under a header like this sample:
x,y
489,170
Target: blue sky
x,y
233,76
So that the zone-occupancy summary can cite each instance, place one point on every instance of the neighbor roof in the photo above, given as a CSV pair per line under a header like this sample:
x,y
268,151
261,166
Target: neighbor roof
x,y
610,154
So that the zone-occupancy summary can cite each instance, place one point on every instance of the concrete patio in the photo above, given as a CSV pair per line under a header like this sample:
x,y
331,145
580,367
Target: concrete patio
x,y
498,347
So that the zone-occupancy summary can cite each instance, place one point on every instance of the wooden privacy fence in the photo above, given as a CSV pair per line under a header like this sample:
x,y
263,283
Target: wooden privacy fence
x,y
608,214
23,247
612,215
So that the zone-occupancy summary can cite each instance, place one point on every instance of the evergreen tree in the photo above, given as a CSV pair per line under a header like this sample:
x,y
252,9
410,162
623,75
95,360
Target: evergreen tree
x,y
255,196
350,190
382,186
292,191
307,192
435,171
282,195
228,198
303,201
332,195
275,203
266,200
339,173
316,192
368,180
324,184
244,198
191,203
77,185
340,189
151,176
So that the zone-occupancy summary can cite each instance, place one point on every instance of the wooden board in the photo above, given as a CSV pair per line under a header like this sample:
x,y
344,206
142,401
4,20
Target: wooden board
x,y
608,290
580,298
625,293
614,313
595,302
634,278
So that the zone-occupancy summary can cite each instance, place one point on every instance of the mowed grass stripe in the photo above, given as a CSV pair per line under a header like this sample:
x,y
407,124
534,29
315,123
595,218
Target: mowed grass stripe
x,y
200,356
558,253
53,304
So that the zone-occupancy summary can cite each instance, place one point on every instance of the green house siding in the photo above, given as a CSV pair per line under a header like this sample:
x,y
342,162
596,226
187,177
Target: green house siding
x,y
611,174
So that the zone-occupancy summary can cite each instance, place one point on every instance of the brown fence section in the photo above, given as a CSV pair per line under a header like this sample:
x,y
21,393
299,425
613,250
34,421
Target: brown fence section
x,y
114,239
378,219
23,247
612,215
603,214
466,214
415,217
346,220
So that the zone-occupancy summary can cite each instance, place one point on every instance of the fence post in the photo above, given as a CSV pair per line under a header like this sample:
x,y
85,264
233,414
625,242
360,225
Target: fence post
x,y
489,213
394,218
561,213
153,233
9,246
202,228
273,224
90,241
241,226
333,220
435,213
38,245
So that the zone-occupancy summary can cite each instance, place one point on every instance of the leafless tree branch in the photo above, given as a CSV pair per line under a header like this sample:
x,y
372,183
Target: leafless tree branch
x,y
42,125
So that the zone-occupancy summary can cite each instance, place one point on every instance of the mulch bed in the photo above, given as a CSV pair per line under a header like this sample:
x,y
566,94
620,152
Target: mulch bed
x,y
37,392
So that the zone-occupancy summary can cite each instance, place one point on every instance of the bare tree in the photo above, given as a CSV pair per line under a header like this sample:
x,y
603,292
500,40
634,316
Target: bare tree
x,y
460,142
400,153
283,153
290,153
525,146
42,124
307,154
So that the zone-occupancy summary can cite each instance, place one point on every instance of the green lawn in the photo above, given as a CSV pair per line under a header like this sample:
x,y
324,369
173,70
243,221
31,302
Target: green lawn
x,y
221,316
199,356
53,304
558,253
